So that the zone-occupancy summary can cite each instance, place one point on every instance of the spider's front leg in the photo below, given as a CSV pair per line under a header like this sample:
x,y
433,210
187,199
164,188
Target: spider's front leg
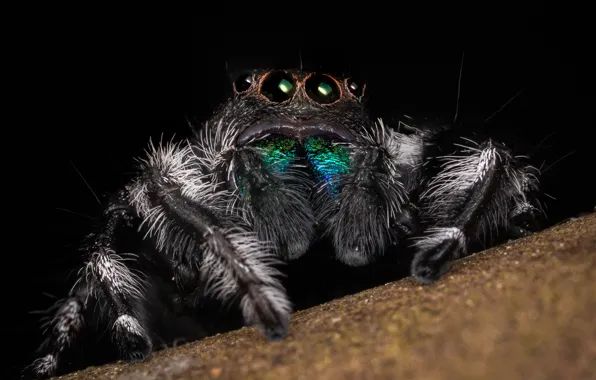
x,y
190,220
481,190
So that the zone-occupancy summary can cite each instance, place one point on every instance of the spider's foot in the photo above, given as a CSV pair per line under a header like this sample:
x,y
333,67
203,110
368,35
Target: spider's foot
x,y
276,331
427,271
274,324
41,368
134,347
435,252
525,219
516,232
133,342
269,309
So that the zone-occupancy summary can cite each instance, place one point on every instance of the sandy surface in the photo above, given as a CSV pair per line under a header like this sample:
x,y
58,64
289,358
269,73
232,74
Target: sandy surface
x,y
526,309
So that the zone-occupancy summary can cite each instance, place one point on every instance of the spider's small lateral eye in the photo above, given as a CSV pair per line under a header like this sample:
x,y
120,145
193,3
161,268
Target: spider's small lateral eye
x,y
278,86
322,89
356,87
243,83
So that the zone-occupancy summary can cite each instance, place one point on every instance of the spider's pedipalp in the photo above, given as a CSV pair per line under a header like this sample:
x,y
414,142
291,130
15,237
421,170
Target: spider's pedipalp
x,y
373,209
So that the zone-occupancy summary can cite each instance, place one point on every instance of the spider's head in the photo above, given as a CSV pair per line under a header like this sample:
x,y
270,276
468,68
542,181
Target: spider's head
x,y
297,105
288,144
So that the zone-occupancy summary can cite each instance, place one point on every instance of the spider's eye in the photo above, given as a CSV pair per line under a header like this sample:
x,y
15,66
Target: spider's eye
x,y
356,87
243,83
322,89
278,86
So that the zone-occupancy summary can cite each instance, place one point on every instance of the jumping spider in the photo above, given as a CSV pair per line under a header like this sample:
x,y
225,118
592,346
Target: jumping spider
x,y
291,158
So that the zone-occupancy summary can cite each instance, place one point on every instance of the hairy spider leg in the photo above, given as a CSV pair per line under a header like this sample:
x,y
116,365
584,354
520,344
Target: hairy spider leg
x,y
105,277
479,191
188,217
61,330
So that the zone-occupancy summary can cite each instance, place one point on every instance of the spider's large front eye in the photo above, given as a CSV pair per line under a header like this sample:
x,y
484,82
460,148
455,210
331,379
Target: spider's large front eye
x,y
322,89
356,86
243,83
278,86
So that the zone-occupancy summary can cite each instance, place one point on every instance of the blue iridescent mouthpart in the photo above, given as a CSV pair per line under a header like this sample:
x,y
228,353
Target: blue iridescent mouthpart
x,y
328,161
278,153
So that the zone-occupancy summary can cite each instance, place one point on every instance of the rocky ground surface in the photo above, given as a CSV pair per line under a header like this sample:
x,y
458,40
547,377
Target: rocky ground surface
x,y
526,309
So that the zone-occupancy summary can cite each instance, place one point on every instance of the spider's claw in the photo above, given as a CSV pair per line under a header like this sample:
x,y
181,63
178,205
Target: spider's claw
x,y
427,272
436,250
133,342
276,332
41,368
134,347
274,324
525,217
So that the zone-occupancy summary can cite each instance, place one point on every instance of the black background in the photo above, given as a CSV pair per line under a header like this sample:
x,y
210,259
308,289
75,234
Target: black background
x,y
94,88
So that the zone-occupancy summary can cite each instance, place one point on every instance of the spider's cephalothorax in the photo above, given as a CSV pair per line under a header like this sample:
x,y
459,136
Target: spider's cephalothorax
x,y
290,158
297,152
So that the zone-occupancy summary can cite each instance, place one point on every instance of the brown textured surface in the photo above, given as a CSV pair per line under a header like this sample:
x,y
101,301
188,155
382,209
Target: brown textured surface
x,y
526,309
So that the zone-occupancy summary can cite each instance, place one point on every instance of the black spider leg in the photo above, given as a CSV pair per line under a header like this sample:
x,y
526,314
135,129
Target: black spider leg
x,y
67,321
106,276
187,216
475,194
525,213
